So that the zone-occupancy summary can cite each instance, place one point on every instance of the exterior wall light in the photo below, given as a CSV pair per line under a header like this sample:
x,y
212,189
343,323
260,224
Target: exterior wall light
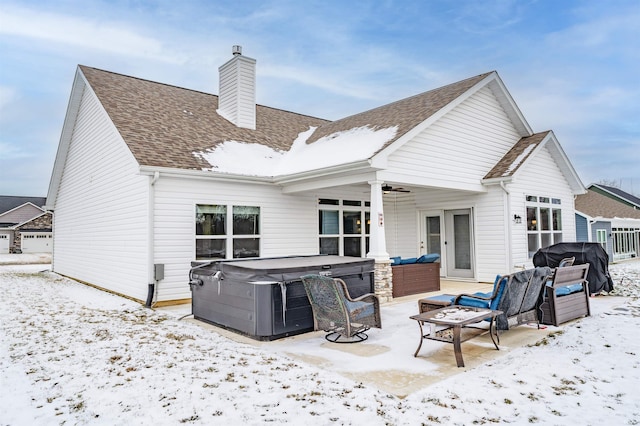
x,y
517,219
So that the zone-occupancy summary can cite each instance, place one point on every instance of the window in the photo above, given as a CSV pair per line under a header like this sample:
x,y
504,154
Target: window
x,y
221,236
544,222
601,236
340,227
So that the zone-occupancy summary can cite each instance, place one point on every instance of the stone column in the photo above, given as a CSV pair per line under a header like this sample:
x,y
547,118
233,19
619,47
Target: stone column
x,y
383,280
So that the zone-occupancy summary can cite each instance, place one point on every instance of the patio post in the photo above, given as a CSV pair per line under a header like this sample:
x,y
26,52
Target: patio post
x,y
378,244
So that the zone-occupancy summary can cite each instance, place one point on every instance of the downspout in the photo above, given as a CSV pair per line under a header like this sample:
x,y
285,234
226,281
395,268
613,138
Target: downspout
x,y
151,294
509,238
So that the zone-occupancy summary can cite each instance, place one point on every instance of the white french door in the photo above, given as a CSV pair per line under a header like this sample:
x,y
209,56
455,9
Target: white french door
x,y
458,243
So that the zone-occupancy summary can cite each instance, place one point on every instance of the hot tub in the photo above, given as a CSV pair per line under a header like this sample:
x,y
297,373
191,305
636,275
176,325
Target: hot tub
x,y
264,298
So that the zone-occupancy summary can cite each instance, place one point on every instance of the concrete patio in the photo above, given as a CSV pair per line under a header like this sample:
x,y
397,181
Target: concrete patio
x,y
385,361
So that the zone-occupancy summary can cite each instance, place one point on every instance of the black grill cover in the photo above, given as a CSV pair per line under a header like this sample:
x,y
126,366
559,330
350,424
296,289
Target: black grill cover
x,y
591,253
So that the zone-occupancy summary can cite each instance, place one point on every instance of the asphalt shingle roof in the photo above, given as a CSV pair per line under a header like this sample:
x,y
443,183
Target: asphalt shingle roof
x,y
617,192
406,113
163,124
9,202
597,205
516,156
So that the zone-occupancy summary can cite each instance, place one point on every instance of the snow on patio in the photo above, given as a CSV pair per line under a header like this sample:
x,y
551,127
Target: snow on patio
x,y
74,354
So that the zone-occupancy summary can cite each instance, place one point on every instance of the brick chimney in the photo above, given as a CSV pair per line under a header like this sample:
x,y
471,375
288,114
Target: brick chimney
x,y
237,97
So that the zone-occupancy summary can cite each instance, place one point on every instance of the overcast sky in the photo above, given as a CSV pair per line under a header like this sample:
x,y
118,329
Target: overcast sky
x,y
571,66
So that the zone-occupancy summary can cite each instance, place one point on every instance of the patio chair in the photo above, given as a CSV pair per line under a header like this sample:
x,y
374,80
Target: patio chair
x,y
567,261
344,319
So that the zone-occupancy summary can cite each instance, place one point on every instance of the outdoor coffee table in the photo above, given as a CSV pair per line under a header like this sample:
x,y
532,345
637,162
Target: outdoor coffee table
x,y
453,322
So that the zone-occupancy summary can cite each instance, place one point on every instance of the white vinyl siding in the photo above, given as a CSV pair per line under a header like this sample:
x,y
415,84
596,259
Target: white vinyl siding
x,y
237,98
541,177
100,220
460,148
288,224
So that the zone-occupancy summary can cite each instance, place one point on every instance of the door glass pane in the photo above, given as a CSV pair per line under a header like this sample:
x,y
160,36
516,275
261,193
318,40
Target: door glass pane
x,y
211,249
351,222
211,219
433,234
546,240
246,247
462,239
352,246
329,224
557,237
329,246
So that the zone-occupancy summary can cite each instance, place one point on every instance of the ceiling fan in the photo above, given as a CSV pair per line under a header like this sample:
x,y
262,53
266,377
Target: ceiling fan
x,y
389,188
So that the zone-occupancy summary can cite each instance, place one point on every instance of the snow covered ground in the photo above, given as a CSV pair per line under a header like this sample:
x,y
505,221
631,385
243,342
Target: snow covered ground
x,y
70,354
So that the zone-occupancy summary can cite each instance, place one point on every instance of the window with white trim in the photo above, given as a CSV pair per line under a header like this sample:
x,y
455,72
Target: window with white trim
x,y
544,222
601,238
343,227
220,235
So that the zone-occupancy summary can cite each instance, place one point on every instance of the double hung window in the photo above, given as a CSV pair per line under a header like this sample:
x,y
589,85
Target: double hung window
x,y
220,235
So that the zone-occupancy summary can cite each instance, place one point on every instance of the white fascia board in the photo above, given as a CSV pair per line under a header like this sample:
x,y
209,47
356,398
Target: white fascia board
x,y
73,108
497,180
329,182
356,166
620,222
418,181
202,174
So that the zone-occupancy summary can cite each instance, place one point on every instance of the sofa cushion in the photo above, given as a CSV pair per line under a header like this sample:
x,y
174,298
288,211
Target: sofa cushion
x,y
568,289
428,258
395,260
408,260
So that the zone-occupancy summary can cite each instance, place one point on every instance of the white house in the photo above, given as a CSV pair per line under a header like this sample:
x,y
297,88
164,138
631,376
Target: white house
x,y
149,174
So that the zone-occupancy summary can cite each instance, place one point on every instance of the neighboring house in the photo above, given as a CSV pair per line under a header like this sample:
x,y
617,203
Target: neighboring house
x,y
24,225
611,217
150,177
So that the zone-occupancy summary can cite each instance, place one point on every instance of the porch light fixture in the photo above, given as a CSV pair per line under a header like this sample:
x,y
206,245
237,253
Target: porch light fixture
x,y
517,218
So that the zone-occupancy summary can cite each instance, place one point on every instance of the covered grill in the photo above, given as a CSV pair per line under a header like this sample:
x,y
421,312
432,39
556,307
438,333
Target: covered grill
x,y
264,298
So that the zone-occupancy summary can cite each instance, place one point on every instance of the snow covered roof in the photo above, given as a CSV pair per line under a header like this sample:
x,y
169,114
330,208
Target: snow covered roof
x,y
516,156
168,126
163,124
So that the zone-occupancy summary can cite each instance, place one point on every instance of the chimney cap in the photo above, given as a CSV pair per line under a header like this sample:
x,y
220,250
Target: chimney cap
x,y
236,50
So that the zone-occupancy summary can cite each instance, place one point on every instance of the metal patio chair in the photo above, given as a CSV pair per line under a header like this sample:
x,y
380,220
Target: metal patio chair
x,y
345,319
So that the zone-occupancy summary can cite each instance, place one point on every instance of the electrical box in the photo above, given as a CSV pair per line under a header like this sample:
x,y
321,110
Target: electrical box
x,y
158,271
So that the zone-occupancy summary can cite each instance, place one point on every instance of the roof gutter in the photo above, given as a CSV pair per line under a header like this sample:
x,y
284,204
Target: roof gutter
x,y
507,215
322,172
153,282
202,174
